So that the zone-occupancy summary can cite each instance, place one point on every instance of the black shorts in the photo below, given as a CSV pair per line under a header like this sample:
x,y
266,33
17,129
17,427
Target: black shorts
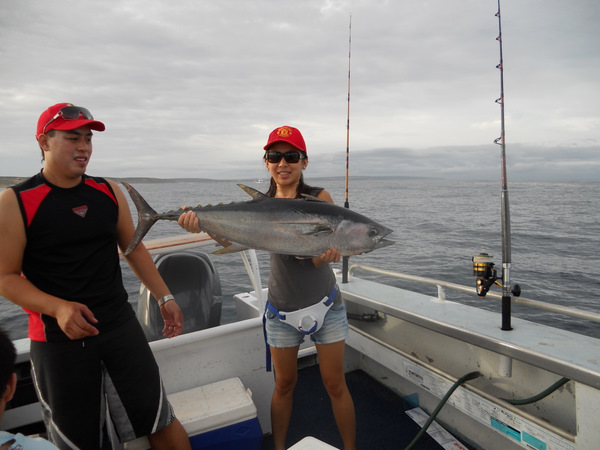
x,y
78,382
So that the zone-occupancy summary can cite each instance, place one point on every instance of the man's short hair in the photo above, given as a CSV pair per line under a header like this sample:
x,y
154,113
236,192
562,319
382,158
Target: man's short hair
x,y
8,355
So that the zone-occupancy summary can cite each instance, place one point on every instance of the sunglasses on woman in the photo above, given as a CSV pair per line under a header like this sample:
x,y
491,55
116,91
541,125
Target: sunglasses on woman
x,y
293,156
70,113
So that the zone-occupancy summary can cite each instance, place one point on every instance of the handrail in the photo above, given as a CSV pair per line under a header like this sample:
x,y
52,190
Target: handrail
x,y
441,285
176,243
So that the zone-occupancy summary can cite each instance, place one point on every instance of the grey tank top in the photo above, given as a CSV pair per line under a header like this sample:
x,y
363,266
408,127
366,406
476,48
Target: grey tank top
x,y
295,283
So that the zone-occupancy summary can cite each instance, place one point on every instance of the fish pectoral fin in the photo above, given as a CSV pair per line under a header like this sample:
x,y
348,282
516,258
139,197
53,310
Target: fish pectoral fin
x,y
233,248
305,228
317,230
228,246
256,195
220,240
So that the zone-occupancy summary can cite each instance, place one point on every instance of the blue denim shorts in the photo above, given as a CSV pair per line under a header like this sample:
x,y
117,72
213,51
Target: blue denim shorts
x,y
282,335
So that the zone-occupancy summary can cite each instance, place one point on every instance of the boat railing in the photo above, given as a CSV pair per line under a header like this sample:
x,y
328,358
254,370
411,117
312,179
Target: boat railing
x,y
442,286
182,242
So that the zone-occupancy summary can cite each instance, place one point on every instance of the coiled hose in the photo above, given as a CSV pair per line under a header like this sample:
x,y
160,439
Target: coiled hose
x,y
472,376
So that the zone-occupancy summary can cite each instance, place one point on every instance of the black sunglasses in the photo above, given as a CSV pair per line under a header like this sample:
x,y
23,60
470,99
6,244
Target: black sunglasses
x,y
293,156
70,113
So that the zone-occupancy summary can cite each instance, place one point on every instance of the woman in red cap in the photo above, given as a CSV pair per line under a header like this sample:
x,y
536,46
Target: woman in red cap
x,y
298,290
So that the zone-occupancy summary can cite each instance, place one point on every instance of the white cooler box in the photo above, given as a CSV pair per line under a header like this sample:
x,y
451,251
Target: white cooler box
x,y
219,415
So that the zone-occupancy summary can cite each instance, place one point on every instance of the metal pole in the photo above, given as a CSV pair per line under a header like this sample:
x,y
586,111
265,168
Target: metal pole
x,y
506,246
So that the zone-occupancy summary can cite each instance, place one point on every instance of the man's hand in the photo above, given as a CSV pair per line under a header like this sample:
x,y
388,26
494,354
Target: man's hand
x,y
75,319
173,318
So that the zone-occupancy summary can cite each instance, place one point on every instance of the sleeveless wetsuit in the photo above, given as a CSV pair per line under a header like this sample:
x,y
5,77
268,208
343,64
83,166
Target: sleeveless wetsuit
x,y
71,251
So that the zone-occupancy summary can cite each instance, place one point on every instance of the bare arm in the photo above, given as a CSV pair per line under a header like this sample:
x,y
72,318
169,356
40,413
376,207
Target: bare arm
x,y
75,319
143,266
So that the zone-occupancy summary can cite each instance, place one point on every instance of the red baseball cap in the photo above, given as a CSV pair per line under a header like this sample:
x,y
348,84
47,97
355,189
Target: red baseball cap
x,y
66,116
287,134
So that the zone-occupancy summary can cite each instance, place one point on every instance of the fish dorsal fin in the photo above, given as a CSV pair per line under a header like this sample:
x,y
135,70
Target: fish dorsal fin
x,y
312,198
256,195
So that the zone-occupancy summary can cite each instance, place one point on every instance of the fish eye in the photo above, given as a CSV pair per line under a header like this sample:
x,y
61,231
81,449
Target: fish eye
x,y
372,232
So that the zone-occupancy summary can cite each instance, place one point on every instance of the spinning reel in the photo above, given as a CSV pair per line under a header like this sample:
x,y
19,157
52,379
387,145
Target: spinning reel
x,y
483,269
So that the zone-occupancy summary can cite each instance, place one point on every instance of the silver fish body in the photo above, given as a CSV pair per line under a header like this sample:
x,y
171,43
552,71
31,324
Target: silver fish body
x,y
300,227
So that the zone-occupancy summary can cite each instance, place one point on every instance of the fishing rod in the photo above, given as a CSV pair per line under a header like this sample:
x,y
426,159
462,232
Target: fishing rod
x,y
483,266
346,202
506,244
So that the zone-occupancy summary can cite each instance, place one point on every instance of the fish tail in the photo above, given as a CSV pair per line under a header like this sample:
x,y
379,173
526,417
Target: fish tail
x,y
147,217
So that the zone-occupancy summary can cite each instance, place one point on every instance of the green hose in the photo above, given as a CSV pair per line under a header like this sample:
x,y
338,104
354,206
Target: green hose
x,y
541,395
472,376
461,380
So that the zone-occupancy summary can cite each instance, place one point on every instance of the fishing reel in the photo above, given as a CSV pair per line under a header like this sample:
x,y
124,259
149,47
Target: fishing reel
x,y
483,269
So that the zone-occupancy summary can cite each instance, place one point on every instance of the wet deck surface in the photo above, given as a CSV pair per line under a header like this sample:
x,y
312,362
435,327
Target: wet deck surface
x,y
381,422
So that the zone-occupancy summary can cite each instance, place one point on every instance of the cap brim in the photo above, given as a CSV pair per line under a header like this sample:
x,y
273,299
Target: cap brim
x,y
73,124
266,147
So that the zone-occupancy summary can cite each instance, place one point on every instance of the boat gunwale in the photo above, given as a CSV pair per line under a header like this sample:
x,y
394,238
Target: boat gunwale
x,y
441,285
559,351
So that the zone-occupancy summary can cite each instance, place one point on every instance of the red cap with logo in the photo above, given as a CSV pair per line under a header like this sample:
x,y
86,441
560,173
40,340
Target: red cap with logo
x,y
66,116
287,134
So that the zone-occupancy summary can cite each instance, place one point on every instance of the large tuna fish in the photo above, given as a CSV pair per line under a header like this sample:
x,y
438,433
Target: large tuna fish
x,y
301,227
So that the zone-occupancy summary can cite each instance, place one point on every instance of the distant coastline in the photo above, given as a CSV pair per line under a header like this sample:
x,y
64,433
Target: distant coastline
x,y
11,181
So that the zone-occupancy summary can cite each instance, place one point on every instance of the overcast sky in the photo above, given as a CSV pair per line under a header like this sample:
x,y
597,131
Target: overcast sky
x,y
192,88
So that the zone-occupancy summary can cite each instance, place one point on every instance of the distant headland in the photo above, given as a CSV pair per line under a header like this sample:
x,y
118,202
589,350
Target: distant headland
x,y
11,181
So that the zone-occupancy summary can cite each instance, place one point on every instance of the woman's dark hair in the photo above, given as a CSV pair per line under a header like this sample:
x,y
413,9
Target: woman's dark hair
x,y
303,188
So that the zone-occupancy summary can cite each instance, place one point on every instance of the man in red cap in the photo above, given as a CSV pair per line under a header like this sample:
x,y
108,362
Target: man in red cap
x,y
59,232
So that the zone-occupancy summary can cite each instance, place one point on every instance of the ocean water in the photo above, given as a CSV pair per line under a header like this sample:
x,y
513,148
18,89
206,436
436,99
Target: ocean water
x,y
438,226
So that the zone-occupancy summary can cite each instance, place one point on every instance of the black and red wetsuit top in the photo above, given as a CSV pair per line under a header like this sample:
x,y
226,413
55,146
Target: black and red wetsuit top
x,y
71,251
